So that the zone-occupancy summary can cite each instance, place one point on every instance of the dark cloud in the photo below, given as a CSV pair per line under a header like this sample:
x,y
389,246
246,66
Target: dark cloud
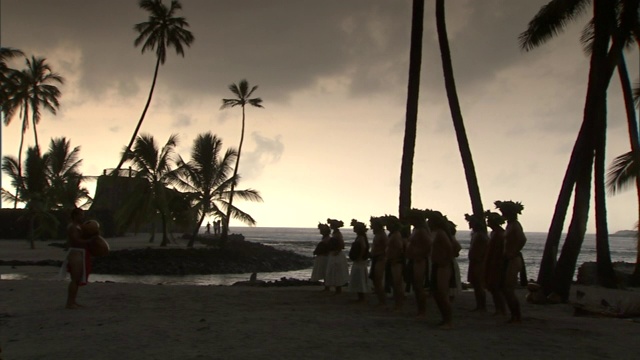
x,y
282,45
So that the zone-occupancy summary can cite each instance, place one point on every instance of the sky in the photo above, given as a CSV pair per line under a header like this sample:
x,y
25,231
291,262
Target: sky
x,y
333,79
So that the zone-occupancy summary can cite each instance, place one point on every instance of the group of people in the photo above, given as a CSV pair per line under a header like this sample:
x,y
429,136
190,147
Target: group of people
x,y
419,253
216,227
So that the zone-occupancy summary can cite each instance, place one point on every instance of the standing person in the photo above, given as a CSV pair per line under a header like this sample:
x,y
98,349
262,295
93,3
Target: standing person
x,y
477,255
395,259
441,265
494,263
337,267
455,287
322,255
78,261
359,253
418,252
208,227
513,244
378,258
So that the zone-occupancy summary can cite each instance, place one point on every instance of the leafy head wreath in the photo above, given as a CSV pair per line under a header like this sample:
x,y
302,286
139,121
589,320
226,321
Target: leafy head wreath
x,y
474,221
509,207
324,228
335,224
358,227
493,218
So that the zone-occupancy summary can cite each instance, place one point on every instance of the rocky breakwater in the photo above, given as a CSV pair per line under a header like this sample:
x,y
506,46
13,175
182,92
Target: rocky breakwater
x,y
234,257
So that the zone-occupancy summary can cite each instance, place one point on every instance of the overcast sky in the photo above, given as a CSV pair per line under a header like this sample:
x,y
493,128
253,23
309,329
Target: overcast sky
x,y
333,76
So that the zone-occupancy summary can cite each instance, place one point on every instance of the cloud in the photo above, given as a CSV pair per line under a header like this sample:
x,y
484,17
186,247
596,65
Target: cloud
x,y
267,151
182,121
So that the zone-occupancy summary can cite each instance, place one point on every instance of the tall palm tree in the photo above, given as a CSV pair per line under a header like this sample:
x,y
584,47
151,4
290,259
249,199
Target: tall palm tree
x,y
155,173
456,114
556,276
34,89
243,97
33,191
65,178
5,86
161,31
207,178
411,120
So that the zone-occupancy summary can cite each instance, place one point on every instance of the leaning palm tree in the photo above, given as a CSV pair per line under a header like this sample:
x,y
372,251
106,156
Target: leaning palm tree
x,y
411,120
155,173
34,89
456,115
33,190
161,31
207,178
65,178
243,97
552,18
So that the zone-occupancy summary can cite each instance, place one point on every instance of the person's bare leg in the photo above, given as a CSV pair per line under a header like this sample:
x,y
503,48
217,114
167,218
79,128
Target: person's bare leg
x,y
442,297
498,301
378,284
76,262
398,286
481,297
509,291
419,268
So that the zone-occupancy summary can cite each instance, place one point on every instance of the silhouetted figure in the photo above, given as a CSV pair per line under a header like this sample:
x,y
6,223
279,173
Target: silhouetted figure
x,y
216,227
208,231
378,258
418,252
359,254
514,242
494,264
321,253
477,256
337,267
442,254
395,259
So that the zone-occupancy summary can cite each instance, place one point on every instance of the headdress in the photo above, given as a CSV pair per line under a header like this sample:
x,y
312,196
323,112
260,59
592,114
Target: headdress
x,y
474,221
358,227
335,224
493,218
509,207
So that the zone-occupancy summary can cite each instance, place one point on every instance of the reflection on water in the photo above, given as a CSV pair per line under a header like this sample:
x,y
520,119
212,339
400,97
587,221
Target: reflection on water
x,y
202,280
13,276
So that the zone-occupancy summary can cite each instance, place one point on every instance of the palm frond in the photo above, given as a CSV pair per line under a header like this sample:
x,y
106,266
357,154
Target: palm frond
x,y
622,173
550,21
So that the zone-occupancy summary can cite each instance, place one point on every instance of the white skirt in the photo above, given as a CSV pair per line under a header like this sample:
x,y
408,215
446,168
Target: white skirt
x,y
453,291
319,267
337,270
359,279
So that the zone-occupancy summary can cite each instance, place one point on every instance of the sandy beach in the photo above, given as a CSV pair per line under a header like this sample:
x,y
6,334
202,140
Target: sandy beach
x,y
132,321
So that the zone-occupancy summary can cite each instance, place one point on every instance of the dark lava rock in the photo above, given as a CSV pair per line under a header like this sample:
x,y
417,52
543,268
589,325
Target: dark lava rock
x,y
235,257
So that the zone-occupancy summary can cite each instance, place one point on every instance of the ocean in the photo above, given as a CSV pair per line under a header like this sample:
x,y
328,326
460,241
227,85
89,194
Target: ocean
x,y
304,240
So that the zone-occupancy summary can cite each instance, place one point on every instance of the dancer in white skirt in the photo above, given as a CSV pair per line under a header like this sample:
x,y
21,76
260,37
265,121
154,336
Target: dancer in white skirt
x,y
322,255
455,287
359,253
337,268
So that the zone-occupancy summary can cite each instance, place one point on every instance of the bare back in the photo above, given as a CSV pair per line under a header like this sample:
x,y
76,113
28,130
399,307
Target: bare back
x,y
419,247
441,249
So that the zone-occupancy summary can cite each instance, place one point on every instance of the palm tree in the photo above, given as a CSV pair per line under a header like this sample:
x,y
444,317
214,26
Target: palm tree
x,y
63,171
5,88
243,97
161,31
33,90
590,143
32,190
206,177
411,120
456,115
154,174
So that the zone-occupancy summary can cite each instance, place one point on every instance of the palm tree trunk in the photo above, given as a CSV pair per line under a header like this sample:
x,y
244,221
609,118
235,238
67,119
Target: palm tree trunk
x,y
600,73
225,226
411,121
606,275
633,139
194,235
456,114
144,112
24,128
35,134
165,238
